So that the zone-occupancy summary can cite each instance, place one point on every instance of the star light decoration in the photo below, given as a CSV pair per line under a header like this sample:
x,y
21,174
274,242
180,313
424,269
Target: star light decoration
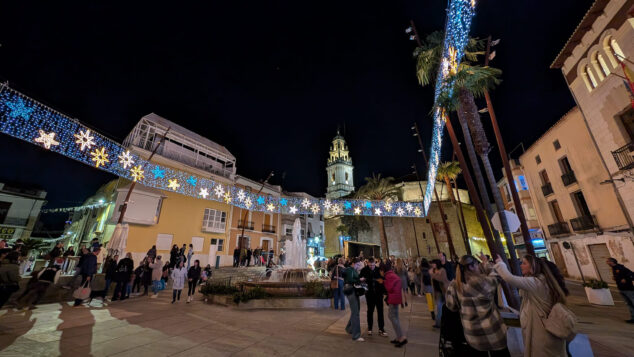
x,y
125,159
293,209
192,180
19,109
377,211
46,139
248,203
283,202
173,184
357,210
219,191
99,156
204,192
270,207
85,140
158,172
241,195
137,173
260,200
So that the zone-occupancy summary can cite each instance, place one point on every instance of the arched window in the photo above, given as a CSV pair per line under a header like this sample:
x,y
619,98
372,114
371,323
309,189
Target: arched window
x,y
607,48
593,80
603,64
616,49
595,65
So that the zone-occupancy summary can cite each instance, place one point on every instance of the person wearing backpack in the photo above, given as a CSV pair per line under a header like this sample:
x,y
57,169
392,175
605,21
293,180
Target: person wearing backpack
x,y
541,296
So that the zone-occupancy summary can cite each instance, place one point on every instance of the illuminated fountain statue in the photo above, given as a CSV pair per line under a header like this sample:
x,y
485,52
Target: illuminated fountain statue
x,y
296,249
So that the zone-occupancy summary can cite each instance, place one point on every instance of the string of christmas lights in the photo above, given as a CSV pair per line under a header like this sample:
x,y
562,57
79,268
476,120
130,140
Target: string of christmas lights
x,y
459,16
25,118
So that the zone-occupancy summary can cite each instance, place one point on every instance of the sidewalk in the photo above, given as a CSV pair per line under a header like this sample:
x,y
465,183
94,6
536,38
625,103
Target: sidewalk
x,y
154,327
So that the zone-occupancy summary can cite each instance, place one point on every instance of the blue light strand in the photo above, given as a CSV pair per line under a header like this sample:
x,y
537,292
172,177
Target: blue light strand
x,y
23,118
459,16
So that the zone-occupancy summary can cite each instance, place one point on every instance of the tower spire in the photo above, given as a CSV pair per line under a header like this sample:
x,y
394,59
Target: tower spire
x,y
339,168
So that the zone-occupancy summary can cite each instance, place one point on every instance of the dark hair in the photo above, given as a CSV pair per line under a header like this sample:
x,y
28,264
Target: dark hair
x,y
13,256
387,266
613,260
371,260
541,268
444,255
437,262
557,274
424,263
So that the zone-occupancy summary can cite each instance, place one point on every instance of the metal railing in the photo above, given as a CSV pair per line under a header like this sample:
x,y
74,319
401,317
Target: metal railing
x,y
558,228
569,178
547,189
268,228
583,223
245,224
623,156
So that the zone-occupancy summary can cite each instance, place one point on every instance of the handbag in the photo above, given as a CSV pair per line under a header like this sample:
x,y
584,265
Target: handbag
x,y
360,289
82,292
561,322
334,283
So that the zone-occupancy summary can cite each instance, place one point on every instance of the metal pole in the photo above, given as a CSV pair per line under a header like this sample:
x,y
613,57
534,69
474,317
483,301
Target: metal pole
x,y
415,236
507,168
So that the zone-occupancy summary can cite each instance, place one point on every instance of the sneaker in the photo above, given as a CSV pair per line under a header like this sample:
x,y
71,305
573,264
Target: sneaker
x,y
360,339
189,299
383,333
401,344
370,333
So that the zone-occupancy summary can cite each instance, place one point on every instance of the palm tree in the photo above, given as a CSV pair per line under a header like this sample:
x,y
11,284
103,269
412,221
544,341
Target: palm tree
x,y
448,172
469,81
380,189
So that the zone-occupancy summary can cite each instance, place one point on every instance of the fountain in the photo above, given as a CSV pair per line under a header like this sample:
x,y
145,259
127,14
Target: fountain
x,y
292,278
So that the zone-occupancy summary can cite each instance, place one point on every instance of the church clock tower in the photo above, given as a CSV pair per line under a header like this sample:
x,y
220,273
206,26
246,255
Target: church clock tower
x,y
339,169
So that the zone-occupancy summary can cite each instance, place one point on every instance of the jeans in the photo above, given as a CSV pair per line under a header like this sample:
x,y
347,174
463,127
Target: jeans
x,y
155,286
108,282
338,296
354,323
375,301
191,287
440,301
174,293
628,296
396,324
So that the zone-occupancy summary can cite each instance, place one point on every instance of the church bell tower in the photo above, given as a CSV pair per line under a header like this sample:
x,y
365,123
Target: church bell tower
x,y
339,169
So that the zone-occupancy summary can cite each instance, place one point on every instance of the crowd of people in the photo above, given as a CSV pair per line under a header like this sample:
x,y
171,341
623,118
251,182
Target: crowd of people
x,y
246,257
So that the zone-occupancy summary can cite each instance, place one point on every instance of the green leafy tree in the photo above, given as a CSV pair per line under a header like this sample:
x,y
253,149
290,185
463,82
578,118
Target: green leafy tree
x,y
379,188
353,225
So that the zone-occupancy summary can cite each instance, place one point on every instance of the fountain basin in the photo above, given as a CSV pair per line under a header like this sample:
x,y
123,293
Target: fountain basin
x,y
284,288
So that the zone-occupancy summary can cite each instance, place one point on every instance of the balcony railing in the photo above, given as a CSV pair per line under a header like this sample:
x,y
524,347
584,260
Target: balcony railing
x,y
15,221
584,223
569,178
268,228
245,224
558,228
547,189
623,156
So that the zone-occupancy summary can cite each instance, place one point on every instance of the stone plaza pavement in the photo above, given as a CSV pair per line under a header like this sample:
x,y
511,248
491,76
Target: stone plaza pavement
x,y
154,327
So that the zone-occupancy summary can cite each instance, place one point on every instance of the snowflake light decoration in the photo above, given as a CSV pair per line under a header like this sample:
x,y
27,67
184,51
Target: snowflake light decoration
x,y
314,208
417,211
125,159
336,209
85,140
173,184
219,191
227,197
327,204
241,195
248,203
305,203
137,173
270,207
409,207
377,211
388,206
100,157
47,140
400,211
204,192
293,209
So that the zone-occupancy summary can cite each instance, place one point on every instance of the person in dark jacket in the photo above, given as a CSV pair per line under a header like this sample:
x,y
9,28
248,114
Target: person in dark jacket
x,y
173,256
193,276
109,269
39,283
122,277
146,278
152,253
623,278
138,275
236,257
249,255
55,252
374,296
350,278
9,276
88,269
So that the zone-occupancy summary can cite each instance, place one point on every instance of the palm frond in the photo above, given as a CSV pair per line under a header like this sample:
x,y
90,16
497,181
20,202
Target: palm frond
x,y
477,79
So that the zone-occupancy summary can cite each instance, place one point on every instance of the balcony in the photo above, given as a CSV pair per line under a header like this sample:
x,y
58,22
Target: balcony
x,y
15,221
569,178
268,228
245,224
547,189
584,223
559,228
623,156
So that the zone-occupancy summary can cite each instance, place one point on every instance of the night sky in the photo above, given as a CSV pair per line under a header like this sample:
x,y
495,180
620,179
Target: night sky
x,y
270,80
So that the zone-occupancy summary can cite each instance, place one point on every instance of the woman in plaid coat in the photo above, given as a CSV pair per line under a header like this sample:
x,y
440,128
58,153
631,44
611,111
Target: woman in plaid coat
x,y
473,294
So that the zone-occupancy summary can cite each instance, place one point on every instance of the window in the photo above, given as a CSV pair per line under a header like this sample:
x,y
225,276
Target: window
x,y
544,176
596,66
538,159
556,211
581,206
604,66
616,50
556,145
221,245
522,180
627,119
214,220
593,80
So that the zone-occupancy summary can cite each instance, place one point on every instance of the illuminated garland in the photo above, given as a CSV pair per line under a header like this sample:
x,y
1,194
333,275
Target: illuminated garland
x,y
459,15
29,120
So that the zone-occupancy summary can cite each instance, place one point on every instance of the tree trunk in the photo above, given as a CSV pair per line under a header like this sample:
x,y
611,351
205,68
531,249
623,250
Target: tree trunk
x,y
383,235
463,223
463,112
452,251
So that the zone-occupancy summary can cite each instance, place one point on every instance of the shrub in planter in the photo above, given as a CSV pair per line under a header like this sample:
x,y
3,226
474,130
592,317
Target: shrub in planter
x,y
211,289
596,284
255,293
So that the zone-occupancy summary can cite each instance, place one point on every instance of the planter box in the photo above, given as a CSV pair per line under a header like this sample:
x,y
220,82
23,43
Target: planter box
x,y
599,296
